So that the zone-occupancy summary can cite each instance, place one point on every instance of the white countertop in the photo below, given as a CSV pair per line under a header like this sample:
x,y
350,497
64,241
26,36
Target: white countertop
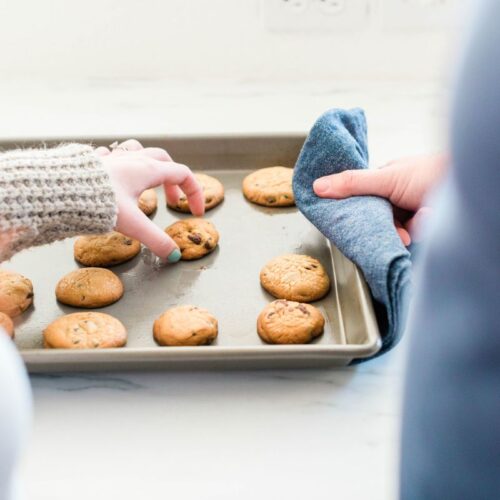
x,y
302,434
221,435
403,119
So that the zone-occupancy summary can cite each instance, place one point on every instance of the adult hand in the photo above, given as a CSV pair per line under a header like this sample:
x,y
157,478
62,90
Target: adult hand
x,y
404,182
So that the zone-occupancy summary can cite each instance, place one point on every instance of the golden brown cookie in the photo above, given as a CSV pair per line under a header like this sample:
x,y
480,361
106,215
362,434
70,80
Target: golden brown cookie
x,y
288,322
295,277
16,293
212,189
271,187
185,325
7,324
89,287
148,201
85,330
104,250
195,237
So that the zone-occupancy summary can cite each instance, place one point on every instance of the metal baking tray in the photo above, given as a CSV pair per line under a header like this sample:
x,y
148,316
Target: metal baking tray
x,y
226,282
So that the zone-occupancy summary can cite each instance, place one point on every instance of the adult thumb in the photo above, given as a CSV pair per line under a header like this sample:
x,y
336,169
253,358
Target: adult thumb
x,y
378,182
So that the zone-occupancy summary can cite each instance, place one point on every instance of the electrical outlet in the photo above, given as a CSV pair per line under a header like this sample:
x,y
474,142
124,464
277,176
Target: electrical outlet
x,y
332,7
294,6
315,16
404,15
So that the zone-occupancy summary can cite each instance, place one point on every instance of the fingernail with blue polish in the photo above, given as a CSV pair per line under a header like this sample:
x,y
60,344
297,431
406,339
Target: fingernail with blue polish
x,y
175,256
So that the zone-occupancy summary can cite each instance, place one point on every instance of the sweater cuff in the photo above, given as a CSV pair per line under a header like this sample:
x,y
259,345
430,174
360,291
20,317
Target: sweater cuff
x,y
52,194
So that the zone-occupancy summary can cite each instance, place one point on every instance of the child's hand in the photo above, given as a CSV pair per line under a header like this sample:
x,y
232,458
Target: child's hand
x,y
405,183
132,169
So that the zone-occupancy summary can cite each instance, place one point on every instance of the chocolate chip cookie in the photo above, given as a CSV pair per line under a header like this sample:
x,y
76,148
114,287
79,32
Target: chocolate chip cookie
x,y
185,326
213,191
16,293
195,237
7,324
295,277
271,187
105,250
148,201
85,330
89,287
289,322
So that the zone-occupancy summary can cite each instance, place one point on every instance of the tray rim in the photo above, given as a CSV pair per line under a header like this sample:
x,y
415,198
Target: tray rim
x,y
8,142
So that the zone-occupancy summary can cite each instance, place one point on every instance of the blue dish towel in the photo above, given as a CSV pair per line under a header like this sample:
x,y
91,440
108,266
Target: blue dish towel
x,y
361,227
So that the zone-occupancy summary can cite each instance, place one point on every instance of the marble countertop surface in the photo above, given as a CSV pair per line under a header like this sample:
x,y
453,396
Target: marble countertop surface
x,y
316,434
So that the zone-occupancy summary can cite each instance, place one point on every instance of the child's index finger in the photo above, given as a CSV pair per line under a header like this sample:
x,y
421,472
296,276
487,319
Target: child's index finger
x,y
195,195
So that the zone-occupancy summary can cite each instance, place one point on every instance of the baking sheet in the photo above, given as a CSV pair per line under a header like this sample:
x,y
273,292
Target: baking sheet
x,y
226,282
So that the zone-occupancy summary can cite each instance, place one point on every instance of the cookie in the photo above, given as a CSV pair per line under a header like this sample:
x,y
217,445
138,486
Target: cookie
x,y
148,201
16,293
289,322
89,287
6,324
212,189
104,250
194,237
271,187
185,325
85,330
295,277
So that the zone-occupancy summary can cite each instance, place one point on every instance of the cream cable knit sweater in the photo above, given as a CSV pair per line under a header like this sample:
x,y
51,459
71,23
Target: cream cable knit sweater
x,y
52,194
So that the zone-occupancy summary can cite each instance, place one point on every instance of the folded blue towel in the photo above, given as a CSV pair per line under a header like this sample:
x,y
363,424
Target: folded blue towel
x,y
361,227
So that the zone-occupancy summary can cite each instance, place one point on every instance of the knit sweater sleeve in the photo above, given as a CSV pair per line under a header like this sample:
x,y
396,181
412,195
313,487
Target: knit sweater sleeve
x,y
51,194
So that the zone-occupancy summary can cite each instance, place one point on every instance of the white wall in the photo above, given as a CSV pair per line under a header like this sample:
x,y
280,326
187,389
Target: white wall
x,y
197,39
